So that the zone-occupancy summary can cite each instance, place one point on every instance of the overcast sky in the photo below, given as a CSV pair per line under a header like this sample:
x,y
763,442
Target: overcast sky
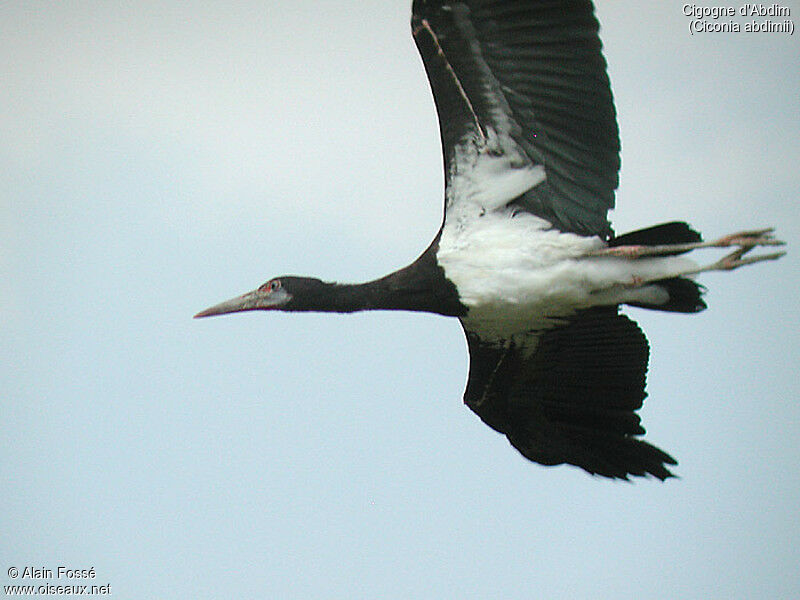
x,y
156,158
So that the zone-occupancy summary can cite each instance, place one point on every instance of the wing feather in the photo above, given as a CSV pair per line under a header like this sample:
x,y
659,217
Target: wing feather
x,y
532,72
573,398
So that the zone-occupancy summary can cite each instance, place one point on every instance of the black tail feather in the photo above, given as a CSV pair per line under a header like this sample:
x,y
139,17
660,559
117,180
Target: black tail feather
x,y
674,232
685,296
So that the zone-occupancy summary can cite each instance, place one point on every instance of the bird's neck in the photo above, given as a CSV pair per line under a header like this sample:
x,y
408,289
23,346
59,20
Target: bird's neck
x,y
421,286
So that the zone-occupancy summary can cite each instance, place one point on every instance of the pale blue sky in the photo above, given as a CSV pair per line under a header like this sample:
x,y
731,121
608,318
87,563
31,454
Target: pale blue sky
x,y
159,158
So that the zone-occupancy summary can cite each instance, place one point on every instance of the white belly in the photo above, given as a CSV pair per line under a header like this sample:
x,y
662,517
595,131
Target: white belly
x,y
515,274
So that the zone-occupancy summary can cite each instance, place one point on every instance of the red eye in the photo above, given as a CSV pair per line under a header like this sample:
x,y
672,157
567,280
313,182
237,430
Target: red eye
x,y
270,286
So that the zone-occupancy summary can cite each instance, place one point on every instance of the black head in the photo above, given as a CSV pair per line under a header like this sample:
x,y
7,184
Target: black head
x,y
281,293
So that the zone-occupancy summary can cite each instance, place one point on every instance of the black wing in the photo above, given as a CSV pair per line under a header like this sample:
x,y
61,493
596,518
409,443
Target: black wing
x,y
574,399
533,71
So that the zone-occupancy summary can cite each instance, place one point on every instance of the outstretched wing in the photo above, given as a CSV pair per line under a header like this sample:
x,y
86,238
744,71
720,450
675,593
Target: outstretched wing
x,y
573,398
525,80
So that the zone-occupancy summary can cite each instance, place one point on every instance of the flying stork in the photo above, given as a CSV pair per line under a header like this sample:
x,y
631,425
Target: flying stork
x,y
525,257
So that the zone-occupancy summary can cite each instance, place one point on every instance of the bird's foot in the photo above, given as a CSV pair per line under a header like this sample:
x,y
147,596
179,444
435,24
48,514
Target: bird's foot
x,y
736,259
748,239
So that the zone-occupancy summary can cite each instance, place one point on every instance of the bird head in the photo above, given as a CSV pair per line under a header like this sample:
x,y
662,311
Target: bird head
x,y
281,293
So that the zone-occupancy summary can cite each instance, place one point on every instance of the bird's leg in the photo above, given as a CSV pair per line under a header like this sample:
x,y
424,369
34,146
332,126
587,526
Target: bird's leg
x,y
746,240
731,261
